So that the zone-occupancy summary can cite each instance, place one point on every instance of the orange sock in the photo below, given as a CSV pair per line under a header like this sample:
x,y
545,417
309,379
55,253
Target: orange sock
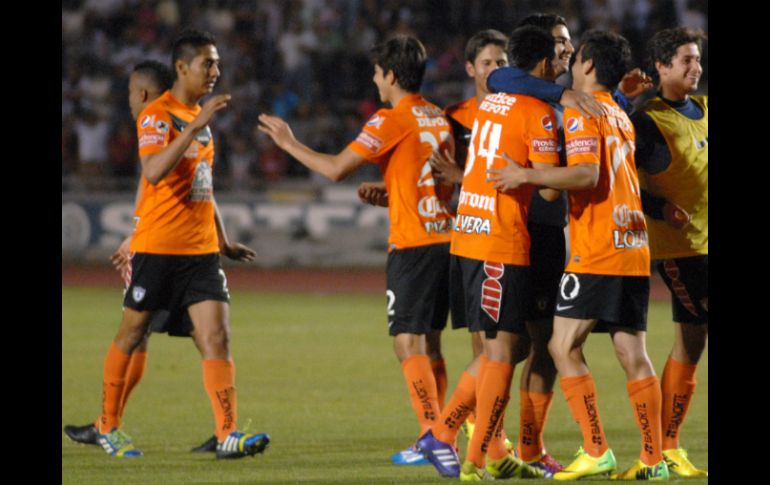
x,y
460,407
422,390
115,365
491,398
646,401
439,373
497,448
678,387
583,402
134,373
219,381
533,413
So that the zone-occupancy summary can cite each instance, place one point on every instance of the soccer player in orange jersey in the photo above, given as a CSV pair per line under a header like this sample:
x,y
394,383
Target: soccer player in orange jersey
x,y
148,80
400,141
607,277
491,246
177,241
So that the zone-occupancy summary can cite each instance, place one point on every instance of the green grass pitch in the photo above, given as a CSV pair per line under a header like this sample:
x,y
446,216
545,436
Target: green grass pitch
x,y
317,372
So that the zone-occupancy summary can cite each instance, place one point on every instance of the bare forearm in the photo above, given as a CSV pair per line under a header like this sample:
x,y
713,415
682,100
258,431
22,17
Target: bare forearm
x,y
221,233
565,178
321,163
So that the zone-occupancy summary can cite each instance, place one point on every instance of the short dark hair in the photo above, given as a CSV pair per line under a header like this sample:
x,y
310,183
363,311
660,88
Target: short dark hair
x,y
157,72
611,54
406,57
663,45
545,21
480,40
529,45
188,43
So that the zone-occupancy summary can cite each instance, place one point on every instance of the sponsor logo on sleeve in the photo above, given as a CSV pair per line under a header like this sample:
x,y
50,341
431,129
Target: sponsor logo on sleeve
x,y
583,144
152,139
147,121
371,142
161,126
547,123
573,124
375,121
544,145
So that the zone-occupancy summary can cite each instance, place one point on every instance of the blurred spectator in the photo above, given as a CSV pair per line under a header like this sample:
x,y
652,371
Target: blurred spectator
x,y
92,131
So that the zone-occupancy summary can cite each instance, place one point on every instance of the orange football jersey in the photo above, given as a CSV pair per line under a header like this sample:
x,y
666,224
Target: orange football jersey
x,y
175,216
492,225
400,141
608,234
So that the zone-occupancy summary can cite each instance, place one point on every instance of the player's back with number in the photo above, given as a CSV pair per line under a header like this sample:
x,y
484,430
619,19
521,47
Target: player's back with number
x,y
524,128
400,140
611,237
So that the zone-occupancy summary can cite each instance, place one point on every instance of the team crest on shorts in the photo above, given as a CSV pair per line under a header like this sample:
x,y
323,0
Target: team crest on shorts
x,y
138,293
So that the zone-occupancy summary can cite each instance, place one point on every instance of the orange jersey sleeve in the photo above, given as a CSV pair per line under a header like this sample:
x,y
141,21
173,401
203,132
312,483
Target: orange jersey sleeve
x,y
608,234
400,141
176,215
492,225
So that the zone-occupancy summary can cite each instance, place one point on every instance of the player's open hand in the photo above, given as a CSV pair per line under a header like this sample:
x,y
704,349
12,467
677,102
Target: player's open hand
x,y
208,109
277,129
510,177
675,216
238,252
634,83
583,102
373,193
121,258
444,168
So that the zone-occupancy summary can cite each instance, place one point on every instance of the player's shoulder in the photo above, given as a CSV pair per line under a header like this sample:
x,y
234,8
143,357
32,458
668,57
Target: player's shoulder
x,y
381,116
463,112
156,107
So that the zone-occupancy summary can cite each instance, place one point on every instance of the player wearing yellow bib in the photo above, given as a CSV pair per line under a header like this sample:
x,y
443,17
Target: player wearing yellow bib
x,y
672,156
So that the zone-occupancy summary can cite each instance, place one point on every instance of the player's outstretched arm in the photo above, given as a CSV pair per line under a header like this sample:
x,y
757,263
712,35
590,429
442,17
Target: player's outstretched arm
x,y
373,193
334,167
156,166
235,251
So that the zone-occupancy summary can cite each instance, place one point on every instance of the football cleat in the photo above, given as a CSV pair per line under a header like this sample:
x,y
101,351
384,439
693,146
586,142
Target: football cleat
x,y
442,456
239,444
640,471
586,465
548,464
86,434
117,443
677,462
409,456
470,473
210,445
510,466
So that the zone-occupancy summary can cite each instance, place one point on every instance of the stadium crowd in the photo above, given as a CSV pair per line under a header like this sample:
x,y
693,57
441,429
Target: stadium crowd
x,y
289,58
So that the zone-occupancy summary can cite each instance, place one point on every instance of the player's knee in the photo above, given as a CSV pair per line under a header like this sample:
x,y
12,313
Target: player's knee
x,y
634,361
559,350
